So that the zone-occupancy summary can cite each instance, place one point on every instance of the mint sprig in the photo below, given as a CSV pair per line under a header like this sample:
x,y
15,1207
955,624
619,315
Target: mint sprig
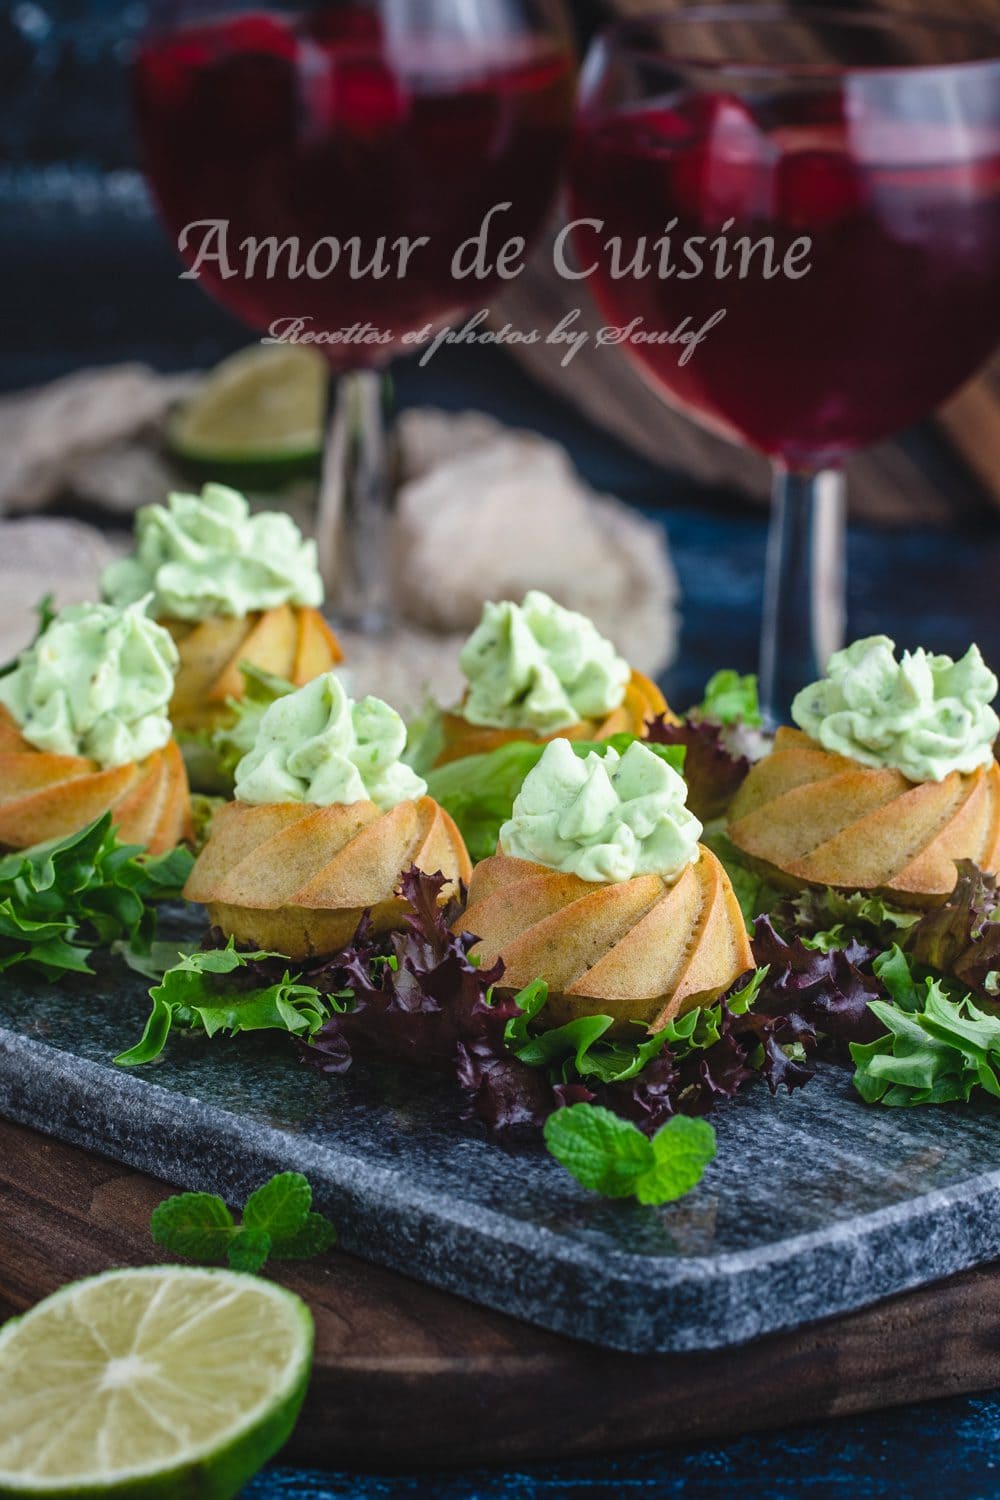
x,y
612,1156
278,1223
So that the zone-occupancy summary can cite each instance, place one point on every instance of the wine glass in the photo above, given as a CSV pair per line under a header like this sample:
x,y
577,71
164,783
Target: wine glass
x,y
358,145
859,159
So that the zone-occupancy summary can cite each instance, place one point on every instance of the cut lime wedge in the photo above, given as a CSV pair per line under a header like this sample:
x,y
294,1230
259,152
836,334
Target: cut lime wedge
x,y
258,417
162,1381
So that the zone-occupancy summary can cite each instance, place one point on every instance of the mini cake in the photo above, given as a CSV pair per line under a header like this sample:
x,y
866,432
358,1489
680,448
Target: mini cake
x,y
84,731
326,819
600,887
230,587
534,671
890,778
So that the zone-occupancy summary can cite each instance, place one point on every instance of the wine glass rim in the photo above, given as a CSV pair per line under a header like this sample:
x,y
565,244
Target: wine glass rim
x,y
618,32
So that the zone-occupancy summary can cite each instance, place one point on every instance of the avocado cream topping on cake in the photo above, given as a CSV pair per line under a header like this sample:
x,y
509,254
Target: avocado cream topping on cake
x,y
316,745
96,683
539,667
923,715
205,555
604,818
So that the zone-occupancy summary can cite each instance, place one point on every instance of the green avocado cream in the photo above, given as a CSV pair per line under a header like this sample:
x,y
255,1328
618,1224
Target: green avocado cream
x,y
606,818
923,715
96,683
201,556
539,667
316,745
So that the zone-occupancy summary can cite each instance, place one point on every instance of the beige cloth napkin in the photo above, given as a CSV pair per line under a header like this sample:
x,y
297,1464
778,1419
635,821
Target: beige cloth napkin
x,y
483,512
39,556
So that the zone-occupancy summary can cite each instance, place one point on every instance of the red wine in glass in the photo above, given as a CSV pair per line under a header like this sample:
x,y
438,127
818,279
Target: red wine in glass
x,y
900,300
311,125
350,131
877,184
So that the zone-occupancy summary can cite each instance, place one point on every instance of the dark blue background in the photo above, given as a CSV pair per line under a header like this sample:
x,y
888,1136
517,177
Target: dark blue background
x,y
944,1451
86,277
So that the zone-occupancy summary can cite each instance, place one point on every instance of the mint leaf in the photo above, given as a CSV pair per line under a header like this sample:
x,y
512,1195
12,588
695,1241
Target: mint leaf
x,y
197,1225
613,1157
280,1207
682,1149
276,1222
598,1148
249,1250
316,1235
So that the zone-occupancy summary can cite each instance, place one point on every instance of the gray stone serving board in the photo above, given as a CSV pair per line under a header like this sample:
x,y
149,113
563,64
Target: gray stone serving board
x,y
816,1204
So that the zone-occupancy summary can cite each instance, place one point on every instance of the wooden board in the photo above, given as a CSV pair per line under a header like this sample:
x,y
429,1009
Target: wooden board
x,y
406,1375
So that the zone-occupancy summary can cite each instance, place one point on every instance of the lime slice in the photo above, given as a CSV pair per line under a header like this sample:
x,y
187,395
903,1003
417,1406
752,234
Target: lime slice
x,y
259,413
162,1381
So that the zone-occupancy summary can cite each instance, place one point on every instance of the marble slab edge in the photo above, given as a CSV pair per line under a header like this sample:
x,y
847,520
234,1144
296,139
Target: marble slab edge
x,y
621,1301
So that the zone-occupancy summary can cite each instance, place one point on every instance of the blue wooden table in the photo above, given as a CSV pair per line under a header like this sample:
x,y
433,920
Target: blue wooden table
x,y
946,1450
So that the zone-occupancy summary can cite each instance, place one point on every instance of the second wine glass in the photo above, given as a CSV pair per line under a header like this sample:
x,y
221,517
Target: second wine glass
x,y
859,160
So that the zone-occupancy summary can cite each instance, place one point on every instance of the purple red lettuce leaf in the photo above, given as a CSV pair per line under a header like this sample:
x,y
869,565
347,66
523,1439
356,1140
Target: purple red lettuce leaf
x,y
961,938
817,992
417,997
712,770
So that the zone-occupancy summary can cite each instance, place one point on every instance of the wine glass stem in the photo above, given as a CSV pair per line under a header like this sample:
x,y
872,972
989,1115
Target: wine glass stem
x,y
355,503
804,586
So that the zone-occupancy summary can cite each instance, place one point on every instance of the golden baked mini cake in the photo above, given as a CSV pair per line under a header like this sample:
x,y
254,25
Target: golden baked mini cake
x,y
534,671
890,778
230,587
84,731
326,819
601,888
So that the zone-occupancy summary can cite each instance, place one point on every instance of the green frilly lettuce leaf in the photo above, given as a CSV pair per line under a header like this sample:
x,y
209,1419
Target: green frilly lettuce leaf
x,y
198,995
62,899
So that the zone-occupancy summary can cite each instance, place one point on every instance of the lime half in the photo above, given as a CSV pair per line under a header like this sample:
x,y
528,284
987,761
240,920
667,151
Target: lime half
x,y
166,1381
258,418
